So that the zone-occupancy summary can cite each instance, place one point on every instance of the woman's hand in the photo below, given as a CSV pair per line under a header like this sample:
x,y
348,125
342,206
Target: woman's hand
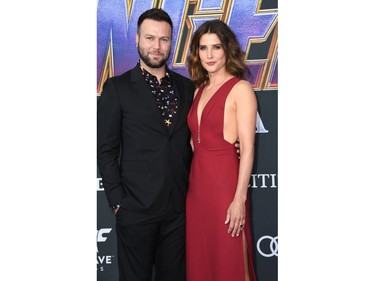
x,y
236,217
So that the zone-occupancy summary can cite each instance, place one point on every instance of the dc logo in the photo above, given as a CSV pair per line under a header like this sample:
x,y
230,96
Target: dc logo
x,y
268,246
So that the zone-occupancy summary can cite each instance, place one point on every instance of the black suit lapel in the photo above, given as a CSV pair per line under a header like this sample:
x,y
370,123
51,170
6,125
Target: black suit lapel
x,y
181,100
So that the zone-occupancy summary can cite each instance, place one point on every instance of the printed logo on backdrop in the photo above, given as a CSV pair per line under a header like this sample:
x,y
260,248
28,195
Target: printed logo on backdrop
x,y
116,51
103,258
259,125
267,246
263,181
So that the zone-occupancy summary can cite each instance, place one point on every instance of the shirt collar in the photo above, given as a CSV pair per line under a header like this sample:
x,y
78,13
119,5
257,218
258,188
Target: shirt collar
x,y
149,76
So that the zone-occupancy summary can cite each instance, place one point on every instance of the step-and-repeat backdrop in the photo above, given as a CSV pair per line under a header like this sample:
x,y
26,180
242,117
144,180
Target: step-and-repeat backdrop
x,y
255,23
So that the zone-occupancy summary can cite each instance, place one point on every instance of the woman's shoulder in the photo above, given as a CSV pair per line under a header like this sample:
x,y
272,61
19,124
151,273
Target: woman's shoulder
x,y
241,87
243,84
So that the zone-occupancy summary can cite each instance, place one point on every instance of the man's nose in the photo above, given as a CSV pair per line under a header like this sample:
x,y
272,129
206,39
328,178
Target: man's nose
x,y
156,44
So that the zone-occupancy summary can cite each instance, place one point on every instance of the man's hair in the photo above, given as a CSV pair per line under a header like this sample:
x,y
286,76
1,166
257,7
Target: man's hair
x,y
154,14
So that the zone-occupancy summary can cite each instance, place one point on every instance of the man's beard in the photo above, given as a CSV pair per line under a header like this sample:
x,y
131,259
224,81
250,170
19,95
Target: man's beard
x,y
147,60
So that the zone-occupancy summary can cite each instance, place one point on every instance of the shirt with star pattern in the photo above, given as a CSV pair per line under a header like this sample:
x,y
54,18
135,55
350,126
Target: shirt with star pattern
x,y
165,95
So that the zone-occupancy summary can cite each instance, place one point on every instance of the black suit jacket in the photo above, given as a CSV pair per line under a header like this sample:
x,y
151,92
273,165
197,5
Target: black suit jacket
x,y
142,163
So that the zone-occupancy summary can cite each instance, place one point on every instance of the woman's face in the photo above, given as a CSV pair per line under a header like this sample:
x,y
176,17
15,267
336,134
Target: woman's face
x,y
211,53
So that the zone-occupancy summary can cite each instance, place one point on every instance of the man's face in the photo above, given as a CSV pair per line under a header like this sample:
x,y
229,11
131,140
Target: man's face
x,y
154,42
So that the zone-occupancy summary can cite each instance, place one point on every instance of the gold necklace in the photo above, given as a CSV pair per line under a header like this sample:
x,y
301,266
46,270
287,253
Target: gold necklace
x,y
222,82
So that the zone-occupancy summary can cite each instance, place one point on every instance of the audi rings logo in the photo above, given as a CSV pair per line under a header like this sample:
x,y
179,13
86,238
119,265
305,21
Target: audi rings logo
x,y
268,246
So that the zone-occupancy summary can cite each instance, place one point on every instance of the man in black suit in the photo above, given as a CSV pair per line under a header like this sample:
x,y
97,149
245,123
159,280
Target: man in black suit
x,y
144,156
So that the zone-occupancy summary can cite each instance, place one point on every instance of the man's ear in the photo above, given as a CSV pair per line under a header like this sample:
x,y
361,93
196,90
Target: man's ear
x,y
136,39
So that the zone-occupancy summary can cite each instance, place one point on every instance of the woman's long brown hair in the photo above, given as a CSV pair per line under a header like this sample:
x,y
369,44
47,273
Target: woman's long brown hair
x,y
235,63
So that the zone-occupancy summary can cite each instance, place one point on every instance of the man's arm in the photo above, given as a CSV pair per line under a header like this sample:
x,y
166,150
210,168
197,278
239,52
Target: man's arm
x,y
108,142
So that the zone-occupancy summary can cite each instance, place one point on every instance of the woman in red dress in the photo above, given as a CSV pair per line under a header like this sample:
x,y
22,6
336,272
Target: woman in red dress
x,y
218,242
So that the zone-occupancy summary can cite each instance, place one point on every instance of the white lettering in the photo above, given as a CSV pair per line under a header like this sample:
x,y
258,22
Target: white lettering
x,y
99,186
104,260
100,232
263,181
259,125
273,181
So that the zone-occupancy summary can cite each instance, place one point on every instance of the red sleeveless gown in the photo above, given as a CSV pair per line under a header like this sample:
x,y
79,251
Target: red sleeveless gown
x,y
212,253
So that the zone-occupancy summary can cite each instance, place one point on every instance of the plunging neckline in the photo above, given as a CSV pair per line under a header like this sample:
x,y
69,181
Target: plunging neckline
x,y
199,120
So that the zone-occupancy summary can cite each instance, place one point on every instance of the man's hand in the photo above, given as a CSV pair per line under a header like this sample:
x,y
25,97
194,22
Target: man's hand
x,y
237,145
115,208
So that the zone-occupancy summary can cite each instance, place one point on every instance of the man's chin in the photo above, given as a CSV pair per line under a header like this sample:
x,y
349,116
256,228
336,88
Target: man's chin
x,y
155,63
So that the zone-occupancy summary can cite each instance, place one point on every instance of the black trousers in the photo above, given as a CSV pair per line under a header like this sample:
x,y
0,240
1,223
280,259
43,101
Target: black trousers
x,y
151,245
